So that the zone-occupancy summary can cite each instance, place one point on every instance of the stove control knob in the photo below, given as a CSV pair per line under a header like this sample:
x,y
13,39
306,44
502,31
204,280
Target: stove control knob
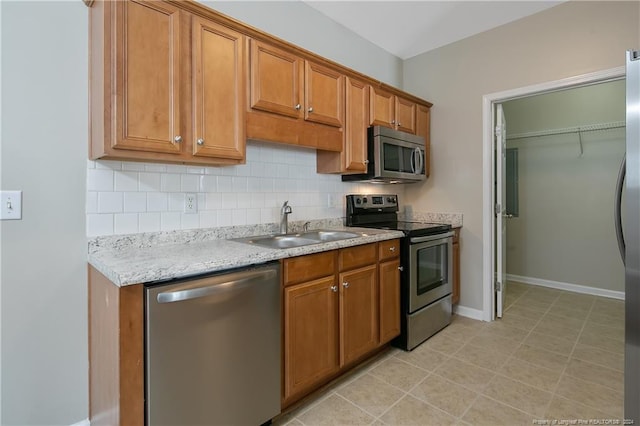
x,y
364,200
389,200
358,201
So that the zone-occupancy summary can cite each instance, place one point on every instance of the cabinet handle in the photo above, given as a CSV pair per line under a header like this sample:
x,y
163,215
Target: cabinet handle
x,y
400,268
392,248
297,107
310,109
345,284
200,141
177,139
334,288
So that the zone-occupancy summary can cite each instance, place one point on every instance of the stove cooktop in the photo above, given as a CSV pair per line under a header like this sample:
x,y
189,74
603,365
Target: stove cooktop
x,y
410,228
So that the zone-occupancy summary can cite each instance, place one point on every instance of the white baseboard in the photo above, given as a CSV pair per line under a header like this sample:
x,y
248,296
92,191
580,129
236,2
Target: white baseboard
x,y
463,311
84,422
576,288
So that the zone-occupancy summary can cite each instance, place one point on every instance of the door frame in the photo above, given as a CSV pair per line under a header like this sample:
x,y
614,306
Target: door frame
x,y
488,166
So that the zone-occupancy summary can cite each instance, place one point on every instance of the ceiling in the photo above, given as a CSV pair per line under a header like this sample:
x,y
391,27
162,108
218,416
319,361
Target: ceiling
x,y
408,28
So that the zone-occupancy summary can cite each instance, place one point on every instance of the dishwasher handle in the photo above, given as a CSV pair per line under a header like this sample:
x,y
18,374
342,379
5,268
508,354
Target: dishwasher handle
x,y
243,280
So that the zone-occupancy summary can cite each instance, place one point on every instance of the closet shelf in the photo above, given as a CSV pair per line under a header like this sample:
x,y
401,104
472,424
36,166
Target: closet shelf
x,y
579,130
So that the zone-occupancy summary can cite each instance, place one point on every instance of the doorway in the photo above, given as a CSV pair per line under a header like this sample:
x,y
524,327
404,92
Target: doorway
x,y
491,276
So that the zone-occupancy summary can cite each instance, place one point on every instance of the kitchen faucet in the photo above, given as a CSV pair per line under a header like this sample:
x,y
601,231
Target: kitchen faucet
x,y
284,212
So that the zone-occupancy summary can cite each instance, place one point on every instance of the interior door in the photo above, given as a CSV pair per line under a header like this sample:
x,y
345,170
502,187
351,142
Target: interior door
x,y
500,282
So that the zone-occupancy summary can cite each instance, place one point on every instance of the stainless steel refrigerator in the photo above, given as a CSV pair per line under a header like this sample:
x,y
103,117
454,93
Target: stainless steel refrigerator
x,y
629,239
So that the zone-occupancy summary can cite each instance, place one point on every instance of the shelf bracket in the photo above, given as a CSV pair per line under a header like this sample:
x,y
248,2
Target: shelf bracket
x,y
88,3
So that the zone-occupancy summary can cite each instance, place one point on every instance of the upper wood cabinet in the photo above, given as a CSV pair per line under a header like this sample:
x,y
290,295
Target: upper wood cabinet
x,y
389,110
277,78
353,157
218,90
423,128
324,95
165,85
283,83
294,100
175,81
147,77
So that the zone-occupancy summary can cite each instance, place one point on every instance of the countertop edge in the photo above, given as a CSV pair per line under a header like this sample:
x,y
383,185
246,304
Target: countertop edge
x,y
157,264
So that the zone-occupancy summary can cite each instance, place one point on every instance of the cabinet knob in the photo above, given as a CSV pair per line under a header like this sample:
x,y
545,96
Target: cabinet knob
x,y
310,109
366,161
200,141
334,288
345,284
399,123
177,139
400,268
392,248
393,121
297,107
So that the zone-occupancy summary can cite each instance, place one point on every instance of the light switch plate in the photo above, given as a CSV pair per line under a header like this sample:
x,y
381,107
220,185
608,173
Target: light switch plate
x,y
10,205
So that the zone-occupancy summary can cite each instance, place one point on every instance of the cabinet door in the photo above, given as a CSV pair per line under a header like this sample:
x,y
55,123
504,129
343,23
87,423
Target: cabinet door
x,y
218,83
355,143
405,115
423,128
147,77
389,300
382,108
324,95
310,334
276,80
358,313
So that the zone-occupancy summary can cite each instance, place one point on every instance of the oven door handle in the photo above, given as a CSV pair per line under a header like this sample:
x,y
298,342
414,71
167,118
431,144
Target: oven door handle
x,y
431,238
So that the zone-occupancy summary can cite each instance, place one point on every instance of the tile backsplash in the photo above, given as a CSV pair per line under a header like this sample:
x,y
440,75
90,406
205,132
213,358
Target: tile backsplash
x,y
129,197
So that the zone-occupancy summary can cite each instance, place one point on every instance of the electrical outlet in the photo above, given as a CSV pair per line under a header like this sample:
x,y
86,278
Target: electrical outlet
x,y
191,203
10,205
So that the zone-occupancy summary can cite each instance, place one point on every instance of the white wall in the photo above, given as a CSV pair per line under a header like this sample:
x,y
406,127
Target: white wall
x,y
570,39
565,228
44,153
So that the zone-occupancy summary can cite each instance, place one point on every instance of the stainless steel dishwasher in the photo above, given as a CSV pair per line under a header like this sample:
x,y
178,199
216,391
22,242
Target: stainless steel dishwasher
x,y
213,349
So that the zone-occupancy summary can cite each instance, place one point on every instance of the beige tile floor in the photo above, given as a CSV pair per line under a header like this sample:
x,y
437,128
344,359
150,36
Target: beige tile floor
x,y
555,355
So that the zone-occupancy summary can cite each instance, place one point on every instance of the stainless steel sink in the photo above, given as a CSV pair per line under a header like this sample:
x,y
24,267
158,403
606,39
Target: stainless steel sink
x,y
298,240
327,235
279,241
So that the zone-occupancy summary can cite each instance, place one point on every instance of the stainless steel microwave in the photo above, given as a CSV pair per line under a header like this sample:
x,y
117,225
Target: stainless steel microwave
x,y
393,157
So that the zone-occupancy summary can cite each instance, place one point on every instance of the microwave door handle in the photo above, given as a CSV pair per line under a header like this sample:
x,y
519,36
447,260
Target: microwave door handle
x,y
419,161
413,162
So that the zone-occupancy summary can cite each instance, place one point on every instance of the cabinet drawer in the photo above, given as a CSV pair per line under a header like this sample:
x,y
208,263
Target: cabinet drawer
x,y
354,257
309,267
388,249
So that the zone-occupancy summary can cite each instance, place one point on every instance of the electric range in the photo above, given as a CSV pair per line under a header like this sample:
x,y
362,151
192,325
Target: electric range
x,y
426,270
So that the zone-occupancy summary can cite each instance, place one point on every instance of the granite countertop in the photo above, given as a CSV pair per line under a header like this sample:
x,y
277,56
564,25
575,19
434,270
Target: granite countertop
x,y
147,258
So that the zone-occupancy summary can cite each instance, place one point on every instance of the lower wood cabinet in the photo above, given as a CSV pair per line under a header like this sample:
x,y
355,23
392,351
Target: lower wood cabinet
x,y
389,299
358,313
311,334
334,321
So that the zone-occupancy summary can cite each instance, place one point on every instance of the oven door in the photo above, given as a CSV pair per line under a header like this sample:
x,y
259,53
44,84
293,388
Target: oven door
x,y
430,269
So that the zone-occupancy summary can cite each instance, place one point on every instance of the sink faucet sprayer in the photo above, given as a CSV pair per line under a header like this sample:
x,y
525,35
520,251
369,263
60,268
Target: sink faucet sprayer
x,y
284,212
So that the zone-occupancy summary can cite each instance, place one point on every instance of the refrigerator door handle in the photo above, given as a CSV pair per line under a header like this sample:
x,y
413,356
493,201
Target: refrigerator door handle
x,y
618,207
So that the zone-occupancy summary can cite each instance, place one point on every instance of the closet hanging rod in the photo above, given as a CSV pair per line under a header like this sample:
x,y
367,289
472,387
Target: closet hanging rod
x,y
579,129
